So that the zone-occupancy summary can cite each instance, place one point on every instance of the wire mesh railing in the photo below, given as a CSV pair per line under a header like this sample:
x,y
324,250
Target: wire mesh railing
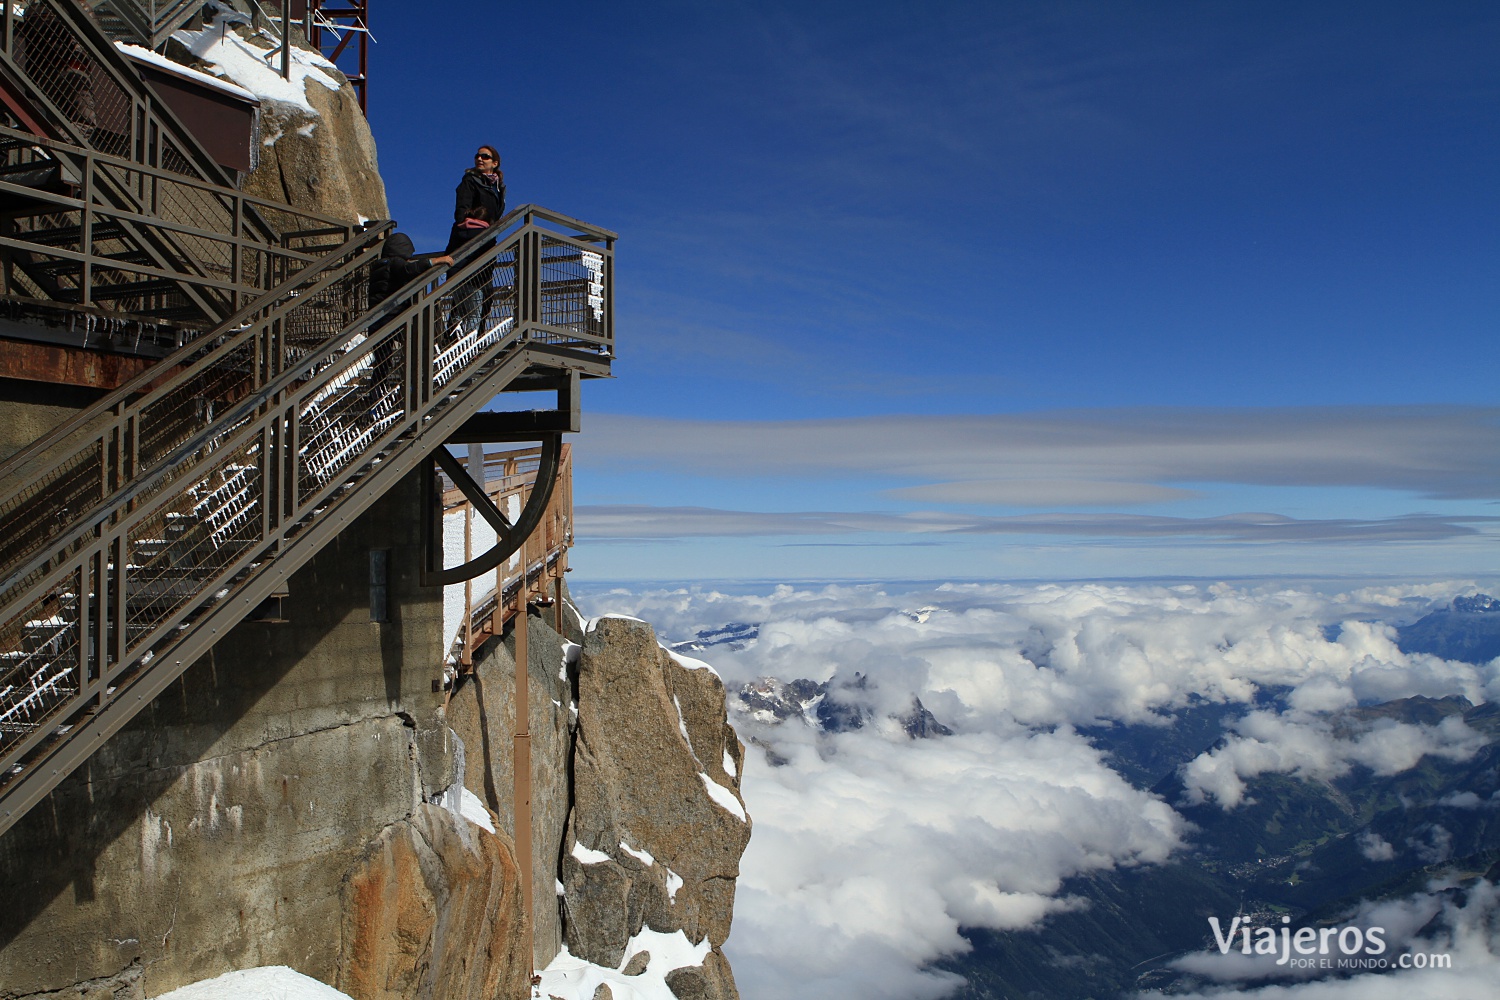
x,y
263,448
50,491
75,77
106,231
45,44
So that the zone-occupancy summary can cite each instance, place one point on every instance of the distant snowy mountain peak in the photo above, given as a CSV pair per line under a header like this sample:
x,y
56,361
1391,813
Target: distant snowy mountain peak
x,y
1477,603
771,701
1468,630
921,724
921,615
734,636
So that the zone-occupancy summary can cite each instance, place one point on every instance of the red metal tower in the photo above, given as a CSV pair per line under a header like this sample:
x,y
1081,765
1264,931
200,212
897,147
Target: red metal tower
x,y
340,31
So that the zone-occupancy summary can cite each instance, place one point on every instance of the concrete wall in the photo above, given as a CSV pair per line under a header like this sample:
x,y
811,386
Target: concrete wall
x,y
216,830
30,409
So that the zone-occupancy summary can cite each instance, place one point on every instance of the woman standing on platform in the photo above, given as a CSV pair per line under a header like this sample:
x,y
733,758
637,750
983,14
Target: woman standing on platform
x,y
483,184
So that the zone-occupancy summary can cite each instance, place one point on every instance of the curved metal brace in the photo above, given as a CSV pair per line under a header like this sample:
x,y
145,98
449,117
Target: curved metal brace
x,y
508,537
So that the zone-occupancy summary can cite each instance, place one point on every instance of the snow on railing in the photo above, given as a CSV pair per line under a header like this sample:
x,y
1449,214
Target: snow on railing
x,y
465,349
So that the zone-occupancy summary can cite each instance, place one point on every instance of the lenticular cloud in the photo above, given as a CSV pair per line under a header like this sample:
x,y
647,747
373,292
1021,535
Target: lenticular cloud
x,y
872,849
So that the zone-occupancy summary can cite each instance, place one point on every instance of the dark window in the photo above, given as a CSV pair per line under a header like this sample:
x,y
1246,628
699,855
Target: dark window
x,y
379,560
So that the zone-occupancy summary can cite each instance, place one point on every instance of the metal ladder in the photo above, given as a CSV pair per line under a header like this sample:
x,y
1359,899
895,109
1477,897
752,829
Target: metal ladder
x,y
137,534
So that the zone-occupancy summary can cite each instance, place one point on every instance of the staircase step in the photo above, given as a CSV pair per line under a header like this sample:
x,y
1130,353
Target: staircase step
x,y
129,288
36,173
75,267
70,235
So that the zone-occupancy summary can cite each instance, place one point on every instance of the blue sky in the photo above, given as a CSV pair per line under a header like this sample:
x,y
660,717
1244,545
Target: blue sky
x,y
1002,290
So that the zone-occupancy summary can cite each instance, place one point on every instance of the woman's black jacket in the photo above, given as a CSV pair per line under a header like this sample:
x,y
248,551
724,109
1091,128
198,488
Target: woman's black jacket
x,y
475,189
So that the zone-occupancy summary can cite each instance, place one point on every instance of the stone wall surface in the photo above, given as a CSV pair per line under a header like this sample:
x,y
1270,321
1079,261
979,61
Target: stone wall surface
x,y
656,814
31,409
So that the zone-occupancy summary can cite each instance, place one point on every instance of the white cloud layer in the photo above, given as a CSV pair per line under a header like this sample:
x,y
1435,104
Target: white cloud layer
x,y
1306,746
1078,654
869,855
871,850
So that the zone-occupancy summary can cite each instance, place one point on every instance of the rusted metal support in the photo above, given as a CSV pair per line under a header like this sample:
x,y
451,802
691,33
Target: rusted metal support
x,y
521,769
508,537
354,20
68,365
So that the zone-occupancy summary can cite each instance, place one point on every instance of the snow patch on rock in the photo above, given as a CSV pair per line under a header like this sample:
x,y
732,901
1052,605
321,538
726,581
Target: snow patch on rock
x,y
255,69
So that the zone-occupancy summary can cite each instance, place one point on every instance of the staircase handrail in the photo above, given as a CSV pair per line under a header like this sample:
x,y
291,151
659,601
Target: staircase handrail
x,y
121,404
248,217
207,186
278,450
154,26
116,418
134,17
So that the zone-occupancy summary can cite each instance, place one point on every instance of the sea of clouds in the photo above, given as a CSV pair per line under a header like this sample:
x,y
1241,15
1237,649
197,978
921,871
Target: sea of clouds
x,y
871,849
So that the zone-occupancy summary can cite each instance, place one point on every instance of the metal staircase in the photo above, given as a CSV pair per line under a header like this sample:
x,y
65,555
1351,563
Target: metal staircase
x,y
145,22
79,88
100,236
135,536
109,207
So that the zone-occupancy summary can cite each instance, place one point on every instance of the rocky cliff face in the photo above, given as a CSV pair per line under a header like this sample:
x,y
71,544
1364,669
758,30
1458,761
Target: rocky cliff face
x,y
657,826
638,825
316,151
430,911
324,162
482,713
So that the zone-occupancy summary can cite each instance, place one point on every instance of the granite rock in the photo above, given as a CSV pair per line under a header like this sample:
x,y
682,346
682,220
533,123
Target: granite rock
x,y
432,912
657,821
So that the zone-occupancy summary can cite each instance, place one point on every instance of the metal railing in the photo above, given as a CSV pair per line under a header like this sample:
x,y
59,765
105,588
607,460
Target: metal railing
x,y
90,92
140,240
188,504
509,478
71,476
